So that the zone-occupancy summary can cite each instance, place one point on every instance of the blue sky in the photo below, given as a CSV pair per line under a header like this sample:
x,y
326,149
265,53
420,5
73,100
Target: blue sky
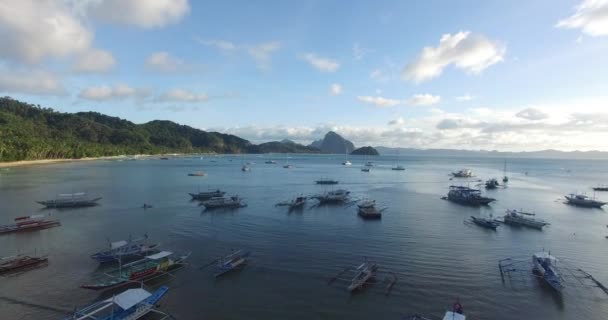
x,y
519,75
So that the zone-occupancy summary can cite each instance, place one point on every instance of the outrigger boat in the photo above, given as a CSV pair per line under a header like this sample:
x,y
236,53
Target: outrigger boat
x,y
367,210
224,202
582,200
326,181
21,262
544,265
457,313
233,261
492,183
336,196
467,196
463,173
545,268
131,304
600,188
364,272
29,223
207,195
522,218
149,267
125,250
356,278
297,202
485,222
70,200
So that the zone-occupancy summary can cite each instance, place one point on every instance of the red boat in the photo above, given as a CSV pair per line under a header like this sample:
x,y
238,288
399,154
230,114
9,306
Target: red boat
x,y
20,262
29,223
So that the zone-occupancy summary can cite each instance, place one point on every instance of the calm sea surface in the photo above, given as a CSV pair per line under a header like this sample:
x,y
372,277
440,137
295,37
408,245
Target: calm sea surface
x,y
421,238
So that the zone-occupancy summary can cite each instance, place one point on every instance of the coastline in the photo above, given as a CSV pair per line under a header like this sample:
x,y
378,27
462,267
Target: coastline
x,y
24,163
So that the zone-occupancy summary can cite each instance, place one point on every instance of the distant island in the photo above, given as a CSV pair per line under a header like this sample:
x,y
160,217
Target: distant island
x,y
365,151
333,143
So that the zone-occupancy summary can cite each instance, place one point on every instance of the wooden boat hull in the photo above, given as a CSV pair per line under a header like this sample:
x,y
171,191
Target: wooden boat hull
x,y
70,204
22,263
25,227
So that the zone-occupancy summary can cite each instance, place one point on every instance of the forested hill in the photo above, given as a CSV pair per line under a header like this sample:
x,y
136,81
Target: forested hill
x,y
29,132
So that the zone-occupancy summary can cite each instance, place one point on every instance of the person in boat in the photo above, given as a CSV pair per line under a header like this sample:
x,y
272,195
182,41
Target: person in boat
x,y
147,206
457,307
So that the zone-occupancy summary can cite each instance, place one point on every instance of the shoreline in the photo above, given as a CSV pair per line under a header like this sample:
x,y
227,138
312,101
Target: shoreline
x,y
24,163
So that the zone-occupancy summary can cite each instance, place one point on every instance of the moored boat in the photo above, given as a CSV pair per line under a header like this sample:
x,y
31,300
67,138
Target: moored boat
x,y
297,202
140,270
545,266
130,304
245,168
335,196
364,272
21,262
197,174
582,200
485,222
70,200
398,168
207,194
233,261
463,173
521,218
347,163
492,183
124,250
29,223
600,188
224,202
270,162
467,196
326,181
367,210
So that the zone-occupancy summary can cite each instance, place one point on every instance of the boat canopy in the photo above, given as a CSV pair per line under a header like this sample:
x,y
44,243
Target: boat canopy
x,y
449,315
118,244
130,298
160,255
79,194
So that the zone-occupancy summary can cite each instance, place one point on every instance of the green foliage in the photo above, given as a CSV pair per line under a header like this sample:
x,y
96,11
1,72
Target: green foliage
x,y
366,151
29,132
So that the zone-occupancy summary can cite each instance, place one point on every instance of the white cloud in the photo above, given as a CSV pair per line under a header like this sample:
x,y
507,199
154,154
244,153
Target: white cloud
x,y
261,53
591,17
397,122
466,97
379,101
182,95
163,61
320,63
30,82
490,128
94,61
31,31
465,50
218,44
140,13
424,99
531,114
105,93
335,89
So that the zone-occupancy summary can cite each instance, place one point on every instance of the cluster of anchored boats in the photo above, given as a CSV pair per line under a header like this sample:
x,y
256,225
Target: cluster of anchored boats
x,y
473,197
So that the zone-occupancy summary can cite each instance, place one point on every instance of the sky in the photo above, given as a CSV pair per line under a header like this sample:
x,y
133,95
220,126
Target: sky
x,y
494,75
